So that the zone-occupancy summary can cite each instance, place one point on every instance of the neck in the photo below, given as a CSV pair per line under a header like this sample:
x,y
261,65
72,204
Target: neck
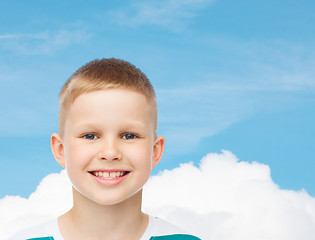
x,y
96,221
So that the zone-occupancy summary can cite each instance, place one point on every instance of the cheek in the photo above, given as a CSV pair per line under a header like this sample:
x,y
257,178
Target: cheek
x,y
141,157
76,162
76,155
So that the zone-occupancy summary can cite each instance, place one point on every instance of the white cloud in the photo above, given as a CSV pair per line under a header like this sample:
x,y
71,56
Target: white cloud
x,y
21,36
223,198
171,14
42,42
228,199
51,198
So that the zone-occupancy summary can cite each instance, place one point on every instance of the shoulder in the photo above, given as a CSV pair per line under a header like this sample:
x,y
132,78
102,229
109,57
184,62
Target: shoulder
x,y
160,229
47,230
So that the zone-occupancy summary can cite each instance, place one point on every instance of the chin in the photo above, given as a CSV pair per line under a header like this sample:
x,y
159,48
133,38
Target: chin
x,y
117,199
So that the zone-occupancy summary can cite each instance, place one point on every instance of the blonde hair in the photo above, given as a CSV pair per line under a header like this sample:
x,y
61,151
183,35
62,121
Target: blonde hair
x,y
101,74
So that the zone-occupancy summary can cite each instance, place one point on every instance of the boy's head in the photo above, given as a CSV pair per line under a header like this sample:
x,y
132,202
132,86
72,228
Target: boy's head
x,y
104,74
107,124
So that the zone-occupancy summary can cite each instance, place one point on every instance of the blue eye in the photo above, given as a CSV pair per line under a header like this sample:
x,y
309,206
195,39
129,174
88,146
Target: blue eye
x,y
129,136
90,136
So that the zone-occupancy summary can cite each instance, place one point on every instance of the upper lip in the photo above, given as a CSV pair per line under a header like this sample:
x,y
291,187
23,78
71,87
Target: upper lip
x,y
109,170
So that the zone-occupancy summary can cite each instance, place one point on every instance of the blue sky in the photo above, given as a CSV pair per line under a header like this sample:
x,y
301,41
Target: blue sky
x,y
234,75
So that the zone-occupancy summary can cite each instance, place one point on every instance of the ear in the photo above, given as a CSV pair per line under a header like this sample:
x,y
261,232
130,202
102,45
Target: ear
x,y
57,149
158,150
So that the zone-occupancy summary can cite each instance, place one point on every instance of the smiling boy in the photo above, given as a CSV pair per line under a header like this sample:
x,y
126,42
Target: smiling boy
x,y
107,142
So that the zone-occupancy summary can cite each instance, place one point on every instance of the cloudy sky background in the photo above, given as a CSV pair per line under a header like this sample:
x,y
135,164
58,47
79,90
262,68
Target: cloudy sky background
x,y
232,75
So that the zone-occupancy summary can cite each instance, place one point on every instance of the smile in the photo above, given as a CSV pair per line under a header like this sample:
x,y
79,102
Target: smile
x,y
109,175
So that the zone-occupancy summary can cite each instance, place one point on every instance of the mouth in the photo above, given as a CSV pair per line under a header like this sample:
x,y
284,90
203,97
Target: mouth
x,y
109,174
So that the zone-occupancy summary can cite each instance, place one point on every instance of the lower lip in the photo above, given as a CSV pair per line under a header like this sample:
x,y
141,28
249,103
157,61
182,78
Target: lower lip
x,y
110,182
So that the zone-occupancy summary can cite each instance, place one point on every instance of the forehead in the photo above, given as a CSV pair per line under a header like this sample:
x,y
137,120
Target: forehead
x,y
111,104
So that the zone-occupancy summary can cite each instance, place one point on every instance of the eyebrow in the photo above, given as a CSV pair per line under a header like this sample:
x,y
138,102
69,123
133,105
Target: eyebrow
x,y
95,124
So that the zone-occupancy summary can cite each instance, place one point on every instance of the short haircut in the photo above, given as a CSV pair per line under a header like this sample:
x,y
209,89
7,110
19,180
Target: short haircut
x,y
102,74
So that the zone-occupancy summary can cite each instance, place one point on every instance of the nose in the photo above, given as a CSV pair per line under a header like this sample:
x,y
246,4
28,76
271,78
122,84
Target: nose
x,y
109,150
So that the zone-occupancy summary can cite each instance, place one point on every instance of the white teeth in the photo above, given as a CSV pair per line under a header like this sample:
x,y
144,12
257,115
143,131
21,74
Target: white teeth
x,y
112,174
108,175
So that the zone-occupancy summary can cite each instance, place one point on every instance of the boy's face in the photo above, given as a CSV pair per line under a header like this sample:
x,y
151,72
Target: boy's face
x,y
109,146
